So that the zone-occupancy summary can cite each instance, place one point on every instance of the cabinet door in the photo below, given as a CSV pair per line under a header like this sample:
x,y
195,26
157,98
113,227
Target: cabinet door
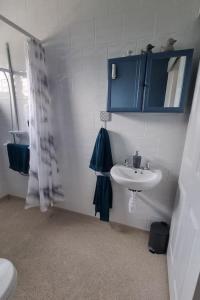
x,y
167,81
126,83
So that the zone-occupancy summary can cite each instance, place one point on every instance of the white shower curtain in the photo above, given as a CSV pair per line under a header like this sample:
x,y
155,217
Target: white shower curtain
x,y
44,186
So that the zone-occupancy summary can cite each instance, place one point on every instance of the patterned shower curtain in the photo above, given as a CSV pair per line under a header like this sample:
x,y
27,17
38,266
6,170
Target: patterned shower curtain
x,y
44,186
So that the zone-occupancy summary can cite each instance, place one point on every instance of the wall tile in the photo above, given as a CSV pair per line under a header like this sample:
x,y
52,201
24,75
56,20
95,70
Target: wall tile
x,y
108,30
82,34
122,49
137,24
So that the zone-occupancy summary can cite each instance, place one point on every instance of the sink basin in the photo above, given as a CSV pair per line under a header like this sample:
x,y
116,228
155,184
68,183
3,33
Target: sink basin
x,y
136,179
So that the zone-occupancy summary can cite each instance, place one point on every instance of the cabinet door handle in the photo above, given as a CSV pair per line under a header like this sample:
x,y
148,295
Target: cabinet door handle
x,y
114,71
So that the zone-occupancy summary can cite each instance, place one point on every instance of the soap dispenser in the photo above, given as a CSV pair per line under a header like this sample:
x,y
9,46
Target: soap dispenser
x,y
136,160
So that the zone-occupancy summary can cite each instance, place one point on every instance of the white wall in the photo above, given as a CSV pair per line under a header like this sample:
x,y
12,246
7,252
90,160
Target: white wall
x,y
3,182
80,36
10,181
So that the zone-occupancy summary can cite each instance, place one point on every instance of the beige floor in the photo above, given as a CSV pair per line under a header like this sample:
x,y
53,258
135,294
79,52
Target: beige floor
x,y
63,255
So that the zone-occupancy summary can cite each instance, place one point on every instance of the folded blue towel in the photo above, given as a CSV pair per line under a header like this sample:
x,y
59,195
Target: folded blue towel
x,y
101,160
18,157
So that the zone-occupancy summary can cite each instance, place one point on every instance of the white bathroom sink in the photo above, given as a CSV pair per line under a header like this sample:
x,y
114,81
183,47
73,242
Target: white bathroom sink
x,y
136,179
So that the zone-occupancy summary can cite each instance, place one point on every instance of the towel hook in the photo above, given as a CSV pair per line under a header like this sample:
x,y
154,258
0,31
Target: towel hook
x,y
105,117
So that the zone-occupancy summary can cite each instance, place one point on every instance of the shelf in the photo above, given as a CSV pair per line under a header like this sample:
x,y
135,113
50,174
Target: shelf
x,y
18,132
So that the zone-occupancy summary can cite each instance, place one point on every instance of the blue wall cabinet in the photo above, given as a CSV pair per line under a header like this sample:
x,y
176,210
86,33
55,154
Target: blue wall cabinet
x,y
153,82
167,81
125,83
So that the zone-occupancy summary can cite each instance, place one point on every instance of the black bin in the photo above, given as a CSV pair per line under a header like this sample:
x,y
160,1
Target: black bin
x,y
158,237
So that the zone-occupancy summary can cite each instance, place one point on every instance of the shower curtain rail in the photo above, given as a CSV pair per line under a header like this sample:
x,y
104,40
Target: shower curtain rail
x,y
21,73
18,28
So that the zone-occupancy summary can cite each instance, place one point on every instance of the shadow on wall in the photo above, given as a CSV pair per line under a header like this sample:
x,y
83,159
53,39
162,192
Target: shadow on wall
x,y
71,133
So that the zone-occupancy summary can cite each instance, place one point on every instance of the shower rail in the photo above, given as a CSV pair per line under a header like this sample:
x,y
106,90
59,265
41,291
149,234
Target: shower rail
x,y
21,73
18,28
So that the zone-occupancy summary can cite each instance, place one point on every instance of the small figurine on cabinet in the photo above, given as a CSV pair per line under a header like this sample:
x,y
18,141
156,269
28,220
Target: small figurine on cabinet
x,y
148,49
169,45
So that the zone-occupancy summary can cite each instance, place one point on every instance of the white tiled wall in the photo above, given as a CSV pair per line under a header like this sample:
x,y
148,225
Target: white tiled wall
x,y
3,181
80,36
10,181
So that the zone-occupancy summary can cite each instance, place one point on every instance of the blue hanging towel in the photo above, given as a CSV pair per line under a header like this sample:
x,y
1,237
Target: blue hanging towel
x,y
103,197
101,160
19,157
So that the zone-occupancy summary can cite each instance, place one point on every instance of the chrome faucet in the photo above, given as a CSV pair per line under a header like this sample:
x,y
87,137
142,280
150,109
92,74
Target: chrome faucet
x,y
147,166
126,163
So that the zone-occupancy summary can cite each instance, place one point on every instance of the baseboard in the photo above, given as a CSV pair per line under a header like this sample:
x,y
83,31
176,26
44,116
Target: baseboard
x,y
113,224
3,197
